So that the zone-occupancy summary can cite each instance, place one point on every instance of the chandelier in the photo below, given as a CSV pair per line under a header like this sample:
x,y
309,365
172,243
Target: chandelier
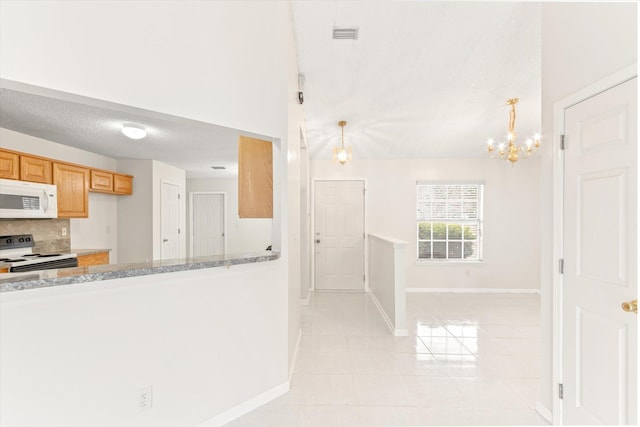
x,y
511,151
340,154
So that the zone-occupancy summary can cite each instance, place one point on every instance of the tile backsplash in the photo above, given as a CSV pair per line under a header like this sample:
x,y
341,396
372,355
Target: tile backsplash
x,y
47,233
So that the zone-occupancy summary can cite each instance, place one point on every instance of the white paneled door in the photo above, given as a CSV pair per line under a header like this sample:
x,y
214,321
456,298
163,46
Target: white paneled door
x,y
599,362
207,224
339,235
169,221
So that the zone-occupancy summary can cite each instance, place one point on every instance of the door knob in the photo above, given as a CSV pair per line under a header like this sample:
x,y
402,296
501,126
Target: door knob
x,y
631,306
165,240
317,240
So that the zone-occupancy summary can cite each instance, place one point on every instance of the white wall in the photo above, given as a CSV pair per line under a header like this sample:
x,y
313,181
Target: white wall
x,y
100,230
140,236
511,197
581,43
387,279
205,340
243,234
226,63
291,214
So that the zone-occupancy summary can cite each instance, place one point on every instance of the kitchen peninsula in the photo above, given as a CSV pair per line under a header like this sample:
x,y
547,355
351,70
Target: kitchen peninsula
x,y
10,282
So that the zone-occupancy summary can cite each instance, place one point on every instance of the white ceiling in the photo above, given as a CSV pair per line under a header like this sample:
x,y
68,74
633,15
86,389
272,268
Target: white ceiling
x,y
424,79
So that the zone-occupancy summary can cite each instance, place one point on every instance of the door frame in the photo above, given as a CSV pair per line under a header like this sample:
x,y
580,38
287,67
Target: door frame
x,y
559,108
224,218
313,229
306,232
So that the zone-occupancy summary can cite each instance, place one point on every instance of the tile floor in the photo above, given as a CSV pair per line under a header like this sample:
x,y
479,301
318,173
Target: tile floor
x,y
469,359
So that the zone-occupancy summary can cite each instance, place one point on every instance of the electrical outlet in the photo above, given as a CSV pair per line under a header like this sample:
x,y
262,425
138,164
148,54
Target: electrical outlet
x,y
145,398
64,231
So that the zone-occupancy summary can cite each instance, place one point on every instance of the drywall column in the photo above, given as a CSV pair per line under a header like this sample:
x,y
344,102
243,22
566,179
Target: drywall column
x,y
387,277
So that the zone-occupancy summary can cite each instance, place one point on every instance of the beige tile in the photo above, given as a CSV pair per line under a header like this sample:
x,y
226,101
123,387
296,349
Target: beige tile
x,y
485,368
377,389
327,389
432,392
417,364
372,362
329,415
389,416
323,362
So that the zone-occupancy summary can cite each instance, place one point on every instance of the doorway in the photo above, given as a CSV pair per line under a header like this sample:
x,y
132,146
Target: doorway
x,y
207,226
596,365
339,235
169,220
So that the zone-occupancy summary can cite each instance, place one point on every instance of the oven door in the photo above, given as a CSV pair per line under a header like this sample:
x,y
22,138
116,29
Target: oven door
x,y
20,199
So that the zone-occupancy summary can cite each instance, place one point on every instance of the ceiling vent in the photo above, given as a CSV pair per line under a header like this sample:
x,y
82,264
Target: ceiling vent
x,y
345,33
218,168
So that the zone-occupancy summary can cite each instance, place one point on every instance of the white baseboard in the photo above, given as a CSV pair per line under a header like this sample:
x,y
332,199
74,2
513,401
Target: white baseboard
x,y
292,368
544,412
246,407
307,300
395,331
473,290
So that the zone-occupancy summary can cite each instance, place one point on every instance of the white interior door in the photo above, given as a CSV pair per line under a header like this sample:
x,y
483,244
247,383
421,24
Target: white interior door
x,y
599,344
170,221
339,235
207,224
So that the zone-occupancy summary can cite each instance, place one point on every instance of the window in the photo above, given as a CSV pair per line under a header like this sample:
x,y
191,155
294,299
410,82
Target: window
x,y
449,222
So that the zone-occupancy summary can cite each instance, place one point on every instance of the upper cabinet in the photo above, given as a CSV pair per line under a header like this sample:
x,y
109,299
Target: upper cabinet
x,y
35,169
255,178
9,165
122,184
101,181
111,182
73,190
73,181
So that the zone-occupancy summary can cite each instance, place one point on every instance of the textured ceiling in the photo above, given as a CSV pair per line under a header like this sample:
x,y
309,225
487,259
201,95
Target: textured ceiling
x,y
424,79
95,126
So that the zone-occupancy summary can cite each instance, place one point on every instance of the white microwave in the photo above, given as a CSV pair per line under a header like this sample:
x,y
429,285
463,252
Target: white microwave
x,y
20,199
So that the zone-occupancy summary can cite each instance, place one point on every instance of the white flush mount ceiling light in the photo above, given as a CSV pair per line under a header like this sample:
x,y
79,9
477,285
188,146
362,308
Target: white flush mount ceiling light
x,y
134,131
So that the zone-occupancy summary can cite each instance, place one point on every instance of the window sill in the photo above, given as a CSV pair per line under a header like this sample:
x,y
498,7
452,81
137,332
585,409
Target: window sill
x,y
446,262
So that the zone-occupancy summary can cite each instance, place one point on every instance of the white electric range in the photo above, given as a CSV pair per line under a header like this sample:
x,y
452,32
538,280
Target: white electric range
x,y
16,253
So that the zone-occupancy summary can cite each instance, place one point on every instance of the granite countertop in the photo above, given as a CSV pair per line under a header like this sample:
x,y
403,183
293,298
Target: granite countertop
x,y
10,282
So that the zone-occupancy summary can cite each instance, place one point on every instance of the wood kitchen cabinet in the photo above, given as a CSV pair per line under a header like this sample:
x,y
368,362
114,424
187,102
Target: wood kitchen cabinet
x,y
255,178
101,181
73,190
9,165
111,182
99,258
36,169
122,184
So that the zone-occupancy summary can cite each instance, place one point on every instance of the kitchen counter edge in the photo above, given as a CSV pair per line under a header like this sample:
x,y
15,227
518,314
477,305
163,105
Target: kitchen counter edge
x,y
69,276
